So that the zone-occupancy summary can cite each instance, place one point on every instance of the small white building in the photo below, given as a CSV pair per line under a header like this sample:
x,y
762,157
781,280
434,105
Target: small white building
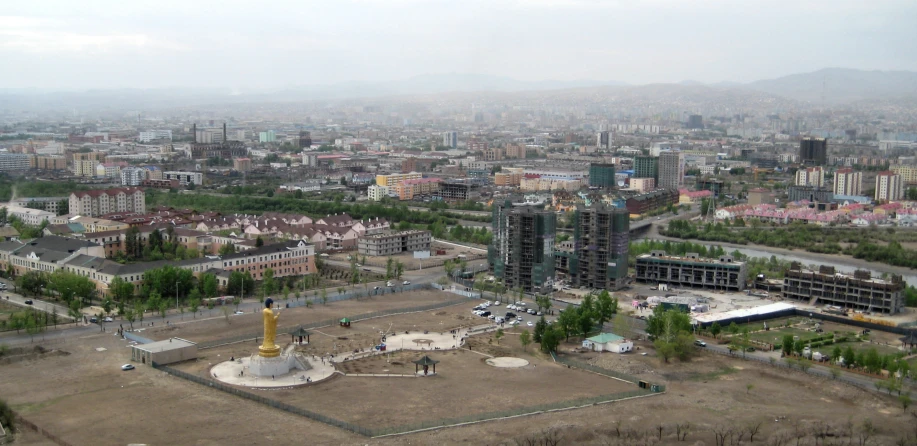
x,y
608,342
164,352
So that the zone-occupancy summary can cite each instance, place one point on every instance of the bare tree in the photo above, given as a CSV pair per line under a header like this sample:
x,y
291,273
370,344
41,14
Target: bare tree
x,y
867,430
781,438
681,431
752,430
799,431
721,433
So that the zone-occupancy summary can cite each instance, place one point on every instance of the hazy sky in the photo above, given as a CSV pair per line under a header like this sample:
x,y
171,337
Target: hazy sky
x,y
108,44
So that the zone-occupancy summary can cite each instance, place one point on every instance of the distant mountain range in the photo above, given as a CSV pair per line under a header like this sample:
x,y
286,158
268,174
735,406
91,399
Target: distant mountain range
x,y
829,86
839,85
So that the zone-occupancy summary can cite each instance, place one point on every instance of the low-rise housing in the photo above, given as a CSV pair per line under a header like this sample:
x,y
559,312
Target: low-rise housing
x,y
387,244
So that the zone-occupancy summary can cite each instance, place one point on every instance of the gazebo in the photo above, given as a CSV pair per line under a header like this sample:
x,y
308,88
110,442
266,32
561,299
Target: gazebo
x,y
345,322
300,333
426,362
910,339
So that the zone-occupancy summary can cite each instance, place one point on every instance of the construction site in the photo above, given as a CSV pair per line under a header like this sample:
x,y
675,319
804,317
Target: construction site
x,y
692,271
600,255
859,292
522,253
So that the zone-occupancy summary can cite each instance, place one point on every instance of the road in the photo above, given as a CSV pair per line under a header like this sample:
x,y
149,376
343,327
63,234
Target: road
x,y
38,304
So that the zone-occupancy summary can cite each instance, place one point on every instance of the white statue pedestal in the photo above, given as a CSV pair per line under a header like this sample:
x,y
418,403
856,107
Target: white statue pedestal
x,y
276,366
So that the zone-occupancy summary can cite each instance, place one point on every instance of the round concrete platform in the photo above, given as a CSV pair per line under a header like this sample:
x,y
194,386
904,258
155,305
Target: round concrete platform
x,y
507,362
238,373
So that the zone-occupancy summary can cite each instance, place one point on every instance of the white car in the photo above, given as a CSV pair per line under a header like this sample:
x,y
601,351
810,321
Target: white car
x,y
530,311
519,318
514,323
108,319
406,282
529,323
239,312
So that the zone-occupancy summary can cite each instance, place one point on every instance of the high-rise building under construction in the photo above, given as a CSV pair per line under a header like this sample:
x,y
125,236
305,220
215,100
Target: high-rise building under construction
x,y
601,236
522,251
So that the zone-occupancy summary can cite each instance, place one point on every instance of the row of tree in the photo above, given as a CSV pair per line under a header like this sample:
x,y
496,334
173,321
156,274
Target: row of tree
x,y
594,311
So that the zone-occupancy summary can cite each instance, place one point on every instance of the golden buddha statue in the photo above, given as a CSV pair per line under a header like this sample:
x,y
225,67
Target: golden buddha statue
x,y
268,348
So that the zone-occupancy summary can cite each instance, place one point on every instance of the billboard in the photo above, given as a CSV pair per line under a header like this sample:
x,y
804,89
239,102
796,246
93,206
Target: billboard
x,y
421,254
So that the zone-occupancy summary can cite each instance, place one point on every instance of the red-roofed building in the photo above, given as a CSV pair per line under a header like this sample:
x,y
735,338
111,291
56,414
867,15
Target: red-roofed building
x,y
93,203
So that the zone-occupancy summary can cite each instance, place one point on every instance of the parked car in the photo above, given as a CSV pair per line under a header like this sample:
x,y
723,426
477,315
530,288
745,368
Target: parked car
x,y
519,318
127,367
238,312
93,320
700,343
406,282
108,319
529,323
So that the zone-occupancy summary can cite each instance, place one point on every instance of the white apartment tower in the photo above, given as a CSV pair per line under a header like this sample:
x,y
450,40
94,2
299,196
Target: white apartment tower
x,y
450,139
848,182
811,176
889,186
671,169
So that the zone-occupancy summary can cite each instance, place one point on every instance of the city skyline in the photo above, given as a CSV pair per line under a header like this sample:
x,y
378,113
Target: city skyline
x,y
232,45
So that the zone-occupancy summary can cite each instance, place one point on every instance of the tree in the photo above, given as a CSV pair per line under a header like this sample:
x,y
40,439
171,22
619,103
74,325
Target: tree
x,y
787,345
905,401
716,329
259,242
324,296
354,273
389,268
798,347
543,302
525,339
607,306
267,285
121,290
849,357
194,301
566,322
499,334
399,269
240,282
7,417
551,339
209,285
107,305
540,328
672,332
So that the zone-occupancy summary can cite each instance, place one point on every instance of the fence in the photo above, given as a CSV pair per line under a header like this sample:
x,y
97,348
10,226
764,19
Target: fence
x,y
260,399
137,339
497,415
807,370
432,424
603,371
28,424
328,322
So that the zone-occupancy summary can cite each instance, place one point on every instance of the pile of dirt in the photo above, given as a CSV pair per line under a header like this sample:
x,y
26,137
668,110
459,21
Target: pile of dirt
x,y
17,354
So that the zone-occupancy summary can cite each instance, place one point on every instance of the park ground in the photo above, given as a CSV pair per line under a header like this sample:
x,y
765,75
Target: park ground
x,y
84,397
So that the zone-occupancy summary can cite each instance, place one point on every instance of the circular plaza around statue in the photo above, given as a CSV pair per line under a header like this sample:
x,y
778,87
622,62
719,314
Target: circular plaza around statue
x,y
507,362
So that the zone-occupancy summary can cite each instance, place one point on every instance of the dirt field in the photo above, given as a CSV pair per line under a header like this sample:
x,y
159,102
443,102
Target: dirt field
x,y
464,385
86,399
218,326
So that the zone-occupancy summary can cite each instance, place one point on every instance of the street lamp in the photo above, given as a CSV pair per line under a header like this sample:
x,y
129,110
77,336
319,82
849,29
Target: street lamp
x,y
176,295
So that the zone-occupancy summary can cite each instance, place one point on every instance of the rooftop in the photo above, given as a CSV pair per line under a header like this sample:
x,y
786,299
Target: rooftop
x,y
166,345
